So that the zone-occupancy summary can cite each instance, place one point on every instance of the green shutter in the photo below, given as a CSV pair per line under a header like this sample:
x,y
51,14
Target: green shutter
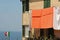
x,y
46,3
24,6
23,30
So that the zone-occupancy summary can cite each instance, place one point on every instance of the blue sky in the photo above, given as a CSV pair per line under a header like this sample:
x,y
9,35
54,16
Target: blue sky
x,y
10,15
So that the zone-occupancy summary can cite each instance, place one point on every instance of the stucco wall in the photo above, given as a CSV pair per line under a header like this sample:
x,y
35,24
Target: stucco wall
x,y
36,5
25,18
55,3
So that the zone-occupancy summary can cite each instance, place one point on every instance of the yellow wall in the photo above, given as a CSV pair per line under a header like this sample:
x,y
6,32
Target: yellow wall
x,y
25,18
55,3
36,5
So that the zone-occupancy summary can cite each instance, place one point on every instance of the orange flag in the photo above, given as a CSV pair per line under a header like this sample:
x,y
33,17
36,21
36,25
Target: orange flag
x,y
42,18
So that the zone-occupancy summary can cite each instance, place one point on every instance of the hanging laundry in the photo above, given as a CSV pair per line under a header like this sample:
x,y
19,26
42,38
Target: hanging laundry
x,y
36,13
42,18
56,20
35,22
47,18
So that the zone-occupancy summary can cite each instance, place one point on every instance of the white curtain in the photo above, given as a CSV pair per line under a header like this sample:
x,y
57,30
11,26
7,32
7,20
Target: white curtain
x,y
26,32
56,18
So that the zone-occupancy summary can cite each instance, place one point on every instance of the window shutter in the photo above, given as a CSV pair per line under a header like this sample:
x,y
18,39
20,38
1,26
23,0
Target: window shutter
x,y
27,5
46,3
24,6
23,30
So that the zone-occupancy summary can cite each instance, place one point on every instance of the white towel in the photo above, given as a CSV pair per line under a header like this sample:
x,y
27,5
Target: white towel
x,y
56,18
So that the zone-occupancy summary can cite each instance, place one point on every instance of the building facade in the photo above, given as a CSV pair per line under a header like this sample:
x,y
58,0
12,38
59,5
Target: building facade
x,y
27,6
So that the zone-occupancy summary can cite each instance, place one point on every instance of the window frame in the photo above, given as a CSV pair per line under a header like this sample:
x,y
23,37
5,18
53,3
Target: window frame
x,y
25,5
46,3
24,29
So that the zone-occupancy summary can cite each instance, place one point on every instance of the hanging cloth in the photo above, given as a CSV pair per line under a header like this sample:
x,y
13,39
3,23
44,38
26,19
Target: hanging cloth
x,y
42,18
56,20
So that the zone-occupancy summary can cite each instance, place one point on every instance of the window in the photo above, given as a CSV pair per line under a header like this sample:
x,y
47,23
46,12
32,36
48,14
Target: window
x,y
25,30
41,32
46,3
25,5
